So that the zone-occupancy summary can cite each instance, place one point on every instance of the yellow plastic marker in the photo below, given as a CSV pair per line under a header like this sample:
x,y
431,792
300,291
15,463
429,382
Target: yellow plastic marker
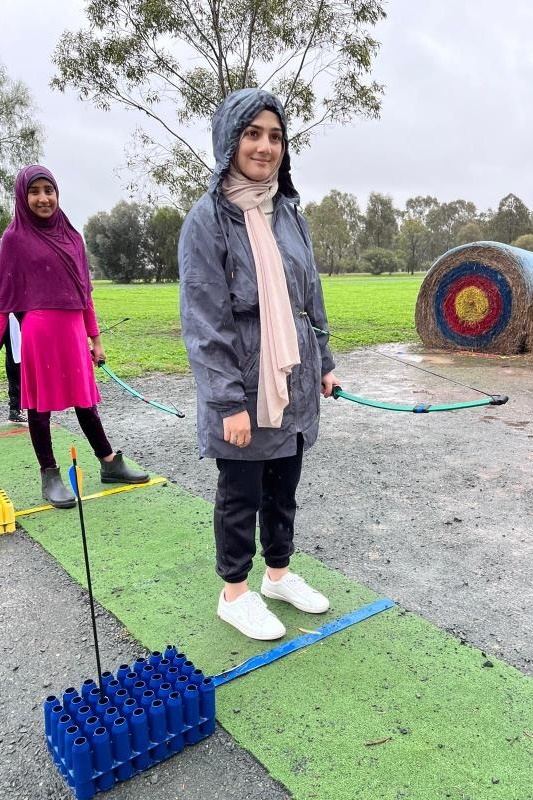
x,y
7,514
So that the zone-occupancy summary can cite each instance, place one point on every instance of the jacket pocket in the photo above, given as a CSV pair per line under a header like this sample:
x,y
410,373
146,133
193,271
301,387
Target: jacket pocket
x,y
250,372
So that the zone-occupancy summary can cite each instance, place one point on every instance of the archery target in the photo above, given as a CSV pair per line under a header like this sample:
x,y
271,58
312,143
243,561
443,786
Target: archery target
x,y
473,304
478,297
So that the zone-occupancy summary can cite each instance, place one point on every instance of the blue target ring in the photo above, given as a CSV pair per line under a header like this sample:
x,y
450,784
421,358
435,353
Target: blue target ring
x,y
490,287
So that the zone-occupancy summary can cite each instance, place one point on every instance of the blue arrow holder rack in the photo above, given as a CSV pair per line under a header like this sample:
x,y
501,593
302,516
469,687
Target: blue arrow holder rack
x,y
147,712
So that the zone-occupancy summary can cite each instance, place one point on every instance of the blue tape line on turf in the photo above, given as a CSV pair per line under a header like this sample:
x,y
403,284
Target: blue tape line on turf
x,y
303,641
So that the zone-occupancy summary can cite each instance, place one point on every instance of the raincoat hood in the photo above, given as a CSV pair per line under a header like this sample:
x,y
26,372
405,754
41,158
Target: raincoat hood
x,y
235,112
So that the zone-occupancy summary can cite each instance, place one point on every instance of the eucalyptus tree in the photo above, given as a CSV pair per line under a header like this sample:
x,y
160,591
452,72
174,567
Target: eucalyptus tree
x,y
5,218
525,241
377,260
21,135
419,207
469,232
329,233
511,220
354,219
380,226
443,222
413,244
163,229
173,61
118,241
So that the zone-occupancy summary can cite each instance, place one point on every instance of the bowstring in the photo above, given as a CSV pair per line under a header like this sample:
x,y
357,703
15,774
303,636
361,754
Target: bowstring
x,y
406,363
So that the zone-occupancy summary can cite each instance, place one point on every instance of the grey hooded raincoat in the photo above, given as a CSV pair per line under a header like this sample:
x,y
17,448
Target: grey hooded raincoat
x,y
219,302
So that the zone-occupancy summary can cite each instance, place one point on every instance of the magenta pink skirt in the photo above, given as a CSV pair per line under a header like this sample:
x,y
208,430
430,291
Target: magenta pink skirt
x,y
56,367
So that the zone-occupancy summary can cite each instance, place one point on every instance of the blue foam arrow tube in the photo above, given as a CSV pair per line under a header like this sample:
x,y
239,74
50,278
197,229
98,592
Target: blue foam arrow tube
x,y
155,657
207,706
82,769
91,724
71,733
179,659
121,747
122,671
140,740
103,760
139,664
68,696
86,687
157,726
170,652
64,722
191,712
174,714
50,702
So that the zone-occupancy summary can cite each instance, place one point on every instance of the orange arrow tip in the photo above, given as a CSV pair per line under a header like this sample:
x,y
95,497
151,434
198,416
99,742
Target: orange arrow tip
x,y
73,452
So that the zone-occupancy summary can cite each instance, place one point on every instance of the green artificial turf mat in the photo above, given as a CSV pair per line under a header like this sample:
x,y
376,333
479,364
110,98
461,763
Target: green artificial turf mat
x,y
390,709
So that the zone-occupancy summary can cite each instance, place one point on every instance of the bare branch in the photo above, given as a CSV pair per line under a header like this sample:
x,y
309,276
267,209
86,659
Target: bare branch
x,y
222,65
130,101
281,66
324,118
248,56
302,62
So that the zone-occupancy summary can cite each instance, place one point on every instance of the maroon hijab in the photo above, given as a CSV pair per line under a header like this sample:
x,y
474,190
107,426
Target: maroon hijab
x,y
43,263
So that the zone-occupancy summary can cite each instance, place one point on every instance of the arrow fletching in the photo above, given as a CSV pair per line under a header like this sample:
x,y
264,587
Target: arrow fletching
x,y
75,476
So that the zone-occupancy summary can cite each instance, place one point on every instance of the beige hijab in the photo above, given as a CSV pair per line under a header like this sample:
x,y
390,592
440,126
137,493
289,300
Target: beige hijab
x,y
279,342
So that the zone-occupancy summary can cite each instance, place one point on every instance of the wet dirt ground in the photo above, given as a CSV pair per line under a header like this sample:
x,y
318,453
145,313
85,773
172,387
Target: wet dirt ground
x,y
433,510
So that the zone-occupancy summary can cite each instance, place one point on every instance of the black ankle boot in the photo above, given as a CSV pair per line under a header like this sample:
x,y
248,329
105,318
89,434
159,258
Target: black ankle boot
x,y
54,490
117,471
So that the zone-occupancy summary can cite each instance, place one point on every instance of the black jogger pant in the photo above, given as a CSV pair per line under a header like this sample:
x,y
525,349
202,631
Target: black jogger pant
x,y
244,489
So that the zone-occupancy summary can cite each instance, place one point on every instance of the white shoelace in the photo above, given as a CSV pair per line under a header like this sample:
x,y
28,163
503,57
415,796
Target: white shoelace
x,y
256,606
297,583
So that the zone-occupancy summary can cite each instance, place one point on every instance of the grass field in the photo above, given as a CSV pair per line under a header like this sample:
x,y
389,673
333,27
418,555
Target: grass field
x,y
362,310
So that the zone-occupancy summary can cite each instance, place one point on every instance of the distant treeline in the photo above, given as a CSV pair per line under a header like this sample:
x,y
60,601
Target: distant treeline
x,y
388,239
137,242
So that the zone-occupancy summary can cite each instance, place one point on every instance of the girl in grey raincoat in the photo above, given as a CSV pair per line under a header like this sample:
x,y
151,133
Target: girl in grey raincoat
x,y
250,296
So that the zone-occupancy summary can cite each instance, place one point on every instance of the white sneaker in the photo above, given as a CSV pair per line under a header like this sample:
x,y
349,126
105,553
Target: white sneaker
x,y
294,590
250,615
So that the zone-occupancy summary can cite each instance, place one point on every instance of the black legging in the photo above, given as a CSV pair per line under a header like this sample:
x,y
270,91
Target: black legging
x,y
90,423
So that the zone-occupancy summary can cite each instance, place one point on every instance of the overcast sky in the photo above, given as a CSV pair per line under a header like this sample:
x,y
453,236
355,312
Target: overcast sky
x,y
457,118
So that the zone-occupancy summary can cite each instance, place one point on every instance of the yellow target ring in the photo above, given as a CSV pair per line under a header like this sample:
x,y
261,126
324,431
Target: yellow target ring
x,y
471,305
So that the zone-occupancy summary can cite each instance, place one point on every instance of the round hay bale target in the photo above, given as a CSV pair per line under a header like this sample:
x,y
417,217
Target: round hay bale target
x,y
478,297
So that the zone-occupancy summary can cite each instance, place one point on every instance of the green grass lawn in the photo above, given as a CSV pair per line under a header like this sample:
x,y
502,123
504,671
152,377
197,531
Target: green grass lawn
x,y
370,310
362,310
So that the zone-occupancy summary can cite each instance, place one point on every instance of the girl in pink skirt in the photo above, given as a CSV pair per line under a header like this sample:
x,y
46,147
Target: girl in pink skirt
x,y
44,280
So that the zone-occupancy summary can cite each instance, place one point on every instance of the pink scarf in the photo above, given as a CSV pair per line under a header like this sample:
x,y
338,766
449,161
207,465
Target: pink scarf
x,y
279,342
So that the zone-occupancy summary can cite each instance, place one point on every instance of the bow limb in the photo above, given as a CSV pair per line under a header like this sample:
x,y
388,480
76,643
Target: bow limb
x,y
420,408
137,394
493,400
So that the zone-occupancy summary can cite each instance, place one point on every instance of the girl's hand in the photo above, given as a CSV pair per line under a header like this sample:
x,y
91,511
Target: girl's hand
x,y
328,382
238,429
97,351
